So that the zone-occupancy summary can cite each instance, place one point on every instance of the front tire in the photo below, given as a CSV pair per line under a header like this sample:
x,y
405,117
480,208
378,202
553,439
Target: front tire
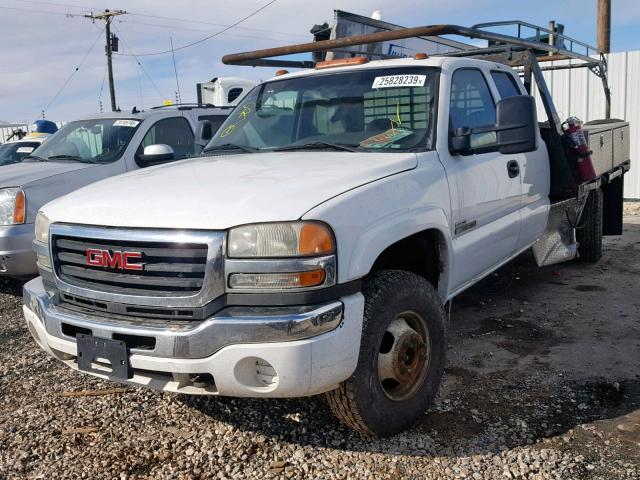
x,y
589,235
402,356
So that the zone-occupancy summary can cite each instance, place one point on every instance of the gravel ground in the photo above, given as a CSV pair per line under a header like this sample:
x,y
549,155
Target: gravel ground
x,y
543,382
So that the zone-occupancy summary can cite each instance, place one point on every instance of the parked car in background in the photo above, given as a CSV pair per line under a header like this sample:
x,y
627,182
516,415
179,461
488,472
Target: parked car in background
x,y
14,151
87,150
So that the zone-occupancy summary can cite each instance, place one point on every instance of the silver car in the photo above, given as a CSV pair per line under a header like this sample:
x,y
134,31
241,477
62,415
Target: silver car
x,y
85,151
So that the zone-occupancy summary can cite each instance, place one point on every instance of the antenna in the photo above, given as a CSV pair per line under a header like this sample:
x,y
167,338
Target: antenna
x,y
175,70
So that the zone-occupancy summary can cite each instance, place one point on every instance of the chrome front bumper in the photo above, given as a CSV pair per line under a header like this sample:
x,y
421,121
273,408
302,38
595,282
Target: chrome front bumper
x,y
17,258
186,339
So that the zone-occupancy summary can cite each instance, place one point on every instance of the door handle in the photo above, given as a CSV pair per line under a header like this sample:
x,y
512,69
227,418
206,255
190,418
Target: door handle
x,y
513,168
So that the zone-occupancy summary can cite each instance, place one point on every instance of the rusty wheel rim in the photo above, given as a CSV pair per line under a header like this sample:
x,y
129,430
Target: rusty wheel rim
x,y
404,356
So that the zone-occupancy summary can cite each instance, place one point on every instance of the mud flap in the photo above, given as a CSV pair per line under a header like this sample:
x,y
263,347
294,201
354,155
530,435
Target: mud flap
x,y
558,242
613,194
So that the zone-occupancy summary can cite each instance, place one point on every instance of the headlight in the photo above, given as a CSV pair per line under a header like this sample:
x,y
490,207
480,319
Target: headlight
x,y
13,206
42,228
42,237
272,240
274,257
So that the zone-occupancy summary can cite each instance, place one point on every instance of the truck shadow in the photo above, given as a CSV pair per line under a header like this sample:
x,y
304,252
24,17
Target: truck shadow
x,y
9,286
534,353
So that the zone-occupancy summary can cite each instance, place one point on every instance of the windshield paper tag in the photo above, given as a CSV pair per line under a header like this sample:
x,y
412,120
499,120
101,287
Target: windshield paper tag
x,y
126,123
25,150
391,81
385,139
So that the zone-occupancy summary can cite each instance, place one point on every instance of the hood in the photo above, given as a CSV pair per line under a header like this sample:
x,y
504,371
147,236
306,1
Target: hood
x,y
216,193
21,174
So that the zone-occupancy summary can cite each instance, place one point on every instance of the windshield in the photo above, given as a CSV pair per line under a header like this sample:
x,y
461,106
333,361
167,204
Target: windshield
x,y
366,109
100,140
15,152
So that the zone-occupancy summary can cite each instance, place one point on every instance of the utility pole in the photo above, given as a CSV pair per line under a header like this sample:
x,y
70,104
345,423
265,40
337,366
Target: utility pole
x,y
110,47
604,26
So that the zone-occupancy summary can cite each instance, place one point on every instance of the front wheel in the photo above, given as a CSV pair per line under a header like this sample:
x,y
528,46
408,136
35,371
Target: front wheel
x,y
402,356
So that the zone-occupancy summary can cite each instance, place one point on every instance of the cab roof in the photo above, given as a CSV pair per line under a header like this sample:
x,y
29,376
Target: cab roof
x,y
445,63
157,112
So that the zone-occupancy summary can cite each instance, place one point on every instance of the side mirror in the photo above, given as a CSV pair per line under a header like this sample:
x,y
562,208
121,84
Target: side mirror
x,y
516,124
461,141
154,154
204,133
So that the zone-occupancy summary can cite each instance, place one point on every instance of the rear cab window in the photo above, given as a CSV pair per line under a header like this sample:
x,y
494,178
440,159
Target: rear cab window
x,y
506,84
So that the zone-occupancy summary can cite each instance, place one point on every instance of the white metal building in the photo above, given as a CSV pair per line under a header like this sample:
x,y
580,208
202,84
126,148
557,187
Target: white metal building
x,y
579,92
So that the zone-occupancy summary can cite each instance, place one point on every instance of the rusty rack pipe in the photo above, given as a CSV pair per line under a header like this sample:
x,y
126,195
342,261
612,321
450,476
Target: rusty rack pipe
x,y
253,57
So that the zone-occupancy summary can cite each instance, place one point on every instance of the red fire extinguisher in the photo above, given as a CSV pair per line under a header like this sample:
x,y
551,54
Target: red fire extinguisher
x,y
572,128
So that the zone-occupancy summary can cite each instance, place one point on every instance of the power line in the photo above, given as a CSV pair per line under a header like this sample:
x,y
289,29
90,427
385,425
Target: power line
x,y
148,15
55,4
49,12
126,45
255,12
209,23
174,27
73,73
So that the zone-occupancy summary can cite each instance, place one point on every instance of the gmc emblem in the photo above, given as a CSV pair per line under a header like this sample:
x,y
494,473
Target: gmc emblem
x,y
115,260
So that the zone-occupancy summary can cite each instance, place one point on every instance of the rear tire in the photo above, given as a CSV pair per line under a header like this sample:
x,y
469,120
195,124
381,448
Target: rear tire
x,y
404,341
589,235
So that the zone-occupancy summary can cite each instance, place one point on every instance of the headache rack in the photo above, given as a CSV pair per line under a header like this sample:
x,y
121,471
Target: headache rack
x,y
525,53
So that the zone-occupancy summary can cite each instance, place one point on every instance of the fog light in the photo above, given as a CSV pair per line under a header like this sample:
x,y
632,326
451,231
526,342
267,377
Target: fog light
x,y
254,372
266,281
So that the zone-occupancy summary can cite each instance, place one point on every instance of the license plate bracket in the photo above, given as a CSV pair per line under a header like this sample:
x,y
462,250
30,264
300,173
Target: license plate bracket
x,y
91,348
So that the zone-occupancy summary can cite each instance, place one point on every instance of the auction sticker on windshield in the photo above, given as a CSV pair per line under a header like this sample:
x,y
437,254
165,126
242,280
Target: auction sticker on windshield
x,y
391,81
126,123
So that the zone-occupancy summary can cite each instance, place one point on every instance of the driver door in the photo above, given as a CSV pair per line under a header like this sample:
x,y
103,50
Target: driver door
x,y
485,191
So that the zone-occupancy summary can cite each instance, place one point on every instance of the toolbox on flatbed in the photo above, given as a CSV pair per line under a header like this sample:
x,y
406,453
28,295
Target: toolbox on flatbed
x,y
609,144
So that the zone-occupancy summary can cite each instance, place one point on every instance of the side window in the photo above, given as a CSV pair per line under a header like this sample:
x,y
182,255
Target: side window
x,y
472,105
174,132
506,84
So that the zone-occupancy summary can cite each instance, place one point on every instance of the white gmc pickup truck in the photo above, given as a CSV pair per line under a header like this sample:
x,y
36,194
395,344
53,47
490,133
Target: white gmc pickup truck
x,y
313,245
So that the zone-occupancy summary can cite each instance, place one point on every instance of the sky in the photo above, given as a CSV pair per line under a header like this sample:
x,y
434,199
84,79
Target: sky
x,y
41,46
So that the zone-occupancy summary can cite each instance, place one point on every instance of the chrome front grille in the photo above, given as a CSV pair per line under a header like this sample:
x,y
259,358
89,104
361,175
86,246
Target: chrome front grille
x,y
170,268
166,268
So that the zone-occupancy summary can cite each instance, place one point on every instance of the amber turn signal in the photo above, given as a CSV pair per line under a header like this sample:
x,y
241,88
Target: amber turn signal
x,y
315,239
341,62
311,279
20,208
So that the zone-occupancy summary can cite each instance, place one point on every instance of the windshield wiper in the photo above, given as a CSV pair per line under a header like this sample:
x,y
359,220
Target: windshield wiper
x,y
316,146
35,157
75,158
230,146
